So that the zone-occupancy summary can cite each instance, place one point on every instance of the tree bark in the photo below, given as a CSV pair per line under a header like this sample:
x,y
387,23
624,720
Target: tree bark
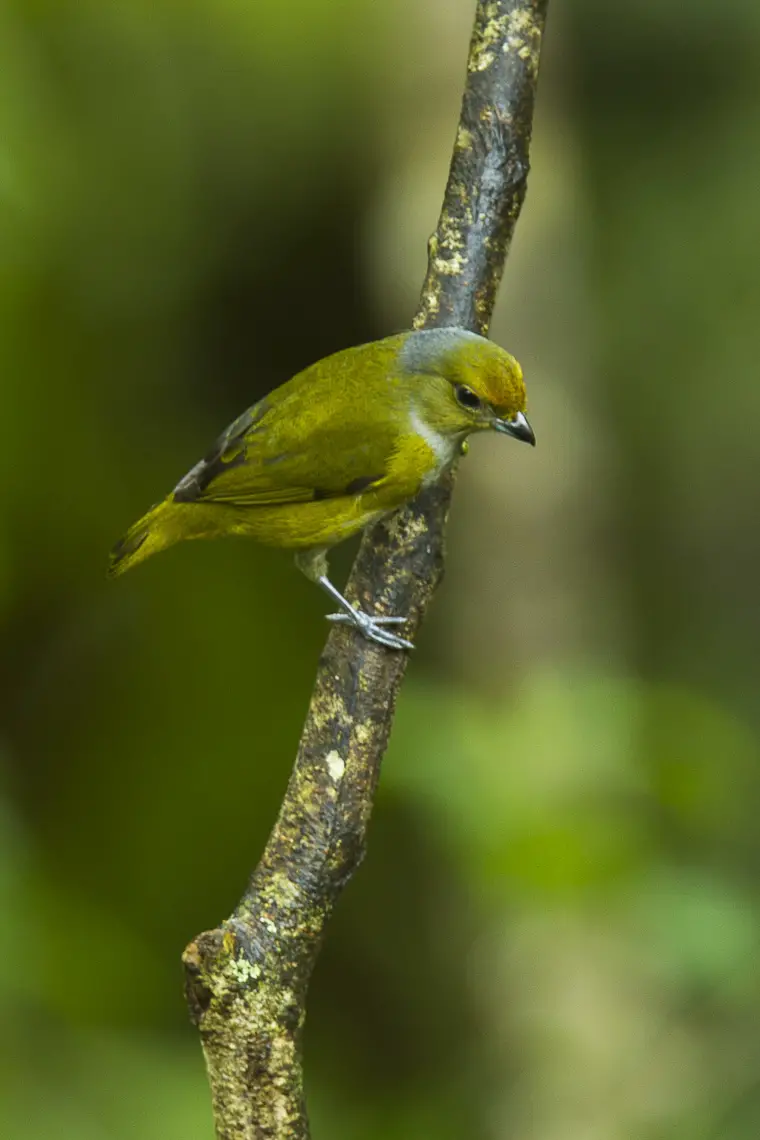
x,y
247,980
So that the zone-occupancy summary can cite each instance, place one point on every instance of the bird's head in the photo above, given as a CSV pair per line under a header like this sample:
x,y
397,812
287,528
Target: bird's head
x,y
470,383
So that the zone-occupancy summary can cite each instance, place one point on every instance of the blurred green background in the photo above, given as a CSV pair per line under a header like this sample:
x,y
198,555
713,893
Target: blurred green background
x,y
556,933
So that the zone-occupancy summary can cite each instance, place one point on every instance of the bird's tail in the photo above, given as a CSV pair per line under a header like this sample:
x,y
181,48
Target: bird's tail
x,y
153,532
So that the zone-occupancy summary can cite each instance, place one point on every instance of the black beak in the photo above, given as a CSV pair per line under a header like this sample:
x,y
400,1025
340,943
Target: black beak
x,y
518,427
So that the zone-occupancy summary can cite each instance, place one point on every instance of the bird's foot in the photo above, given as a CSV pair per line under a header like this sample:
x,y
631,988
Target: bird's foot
x,y
372,628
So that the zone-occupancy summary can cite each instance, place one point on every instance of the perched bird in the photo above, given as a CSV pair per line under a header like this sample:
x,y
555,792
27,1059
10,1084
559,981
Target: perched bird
x,y
336,447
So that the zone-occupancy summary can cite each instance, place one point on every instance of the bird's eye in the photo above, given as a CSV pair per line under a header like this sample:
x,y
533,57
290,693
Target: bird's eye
x,y
466,397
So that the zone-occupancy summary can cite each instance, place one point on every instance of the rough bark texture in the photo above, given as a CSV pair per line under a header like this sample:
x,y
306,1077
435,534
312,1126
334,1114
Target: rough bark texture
x,y
247,980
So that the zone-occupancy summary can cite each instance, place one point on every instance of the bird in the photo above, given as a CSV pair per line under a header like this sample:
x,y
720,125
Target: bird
x,y
335,448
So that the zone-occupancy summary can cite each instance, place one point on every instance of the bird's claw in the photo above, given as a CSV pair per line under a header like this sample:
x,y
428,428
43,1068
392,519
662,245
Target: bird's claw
x,y
371,628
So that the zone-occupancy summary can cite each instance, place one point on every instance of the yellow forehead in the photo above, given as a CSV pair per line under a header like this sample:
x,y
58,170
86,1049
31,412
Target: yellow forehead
x,y
465,358
493,374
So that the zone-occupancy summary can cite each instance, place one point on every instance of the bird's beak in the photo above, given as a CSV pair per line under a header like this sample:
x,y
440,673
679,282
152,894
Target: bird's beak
x,y
518,427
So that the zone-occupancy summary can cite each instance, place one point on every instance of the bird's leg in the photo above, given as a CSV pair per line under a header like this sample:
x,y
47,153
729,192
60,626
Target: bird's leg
x,y
313,563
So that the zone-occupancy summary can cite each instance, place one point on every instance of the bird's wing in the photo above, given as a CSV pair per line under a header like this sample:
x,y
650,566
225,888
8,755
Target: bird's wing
x,y
268,456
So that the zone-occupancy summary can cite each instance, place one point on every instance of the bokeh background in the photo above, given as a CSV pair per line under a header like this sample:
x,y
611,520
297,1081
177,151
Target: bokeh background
x,y
556,933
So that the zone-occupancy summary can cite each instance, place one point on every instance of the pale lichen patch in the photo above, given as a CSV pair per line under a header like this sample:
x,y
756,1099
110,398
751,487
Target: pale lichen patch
x,y
407,528
243,972
284,889
489,33
517,31
363,733
450,267
430,303
451,235
327,709
483,60
336,765
523,38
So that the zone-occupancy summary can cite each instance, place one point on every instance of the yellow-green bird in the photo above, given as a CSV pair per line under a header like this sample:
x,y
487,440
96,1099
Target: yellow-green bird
x,y
336,447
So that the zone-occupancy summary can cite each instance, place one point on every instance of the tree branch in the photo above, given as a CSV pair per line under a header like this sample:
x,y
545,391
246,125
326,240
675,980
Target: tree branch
x,y
246,981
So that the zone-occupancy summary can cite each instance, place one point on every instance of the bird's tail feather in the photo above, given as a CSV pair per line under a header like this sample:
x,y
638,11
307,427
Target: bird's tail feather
x,y
148,535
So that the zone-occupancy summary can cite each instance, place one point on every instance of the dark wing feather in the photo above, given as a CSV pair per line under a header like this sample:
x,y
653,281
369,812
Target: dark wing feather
x,y
262,459
228,451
